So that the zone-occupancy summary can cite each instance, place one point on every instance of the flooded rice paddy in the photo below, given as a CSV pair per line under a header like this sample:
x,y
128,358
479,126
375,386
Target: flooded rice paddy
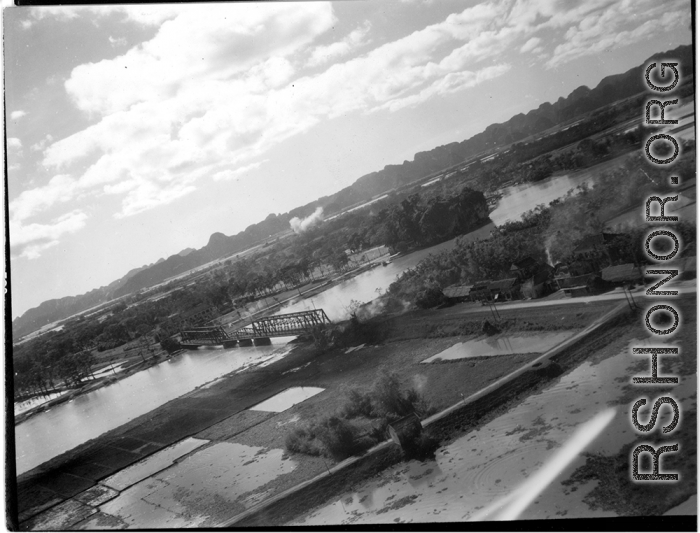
x,y
490,465
203,489
152,464
286,399
501,345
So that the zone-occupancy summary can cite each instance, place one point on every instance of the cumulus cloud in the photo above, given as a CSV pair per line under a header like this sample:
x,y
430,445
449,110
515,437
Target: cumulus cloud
x,y
213,90
607,26
28,241
14,143
229,174
531,45
16,115
326,53
119,41
450,83
40,145
145,15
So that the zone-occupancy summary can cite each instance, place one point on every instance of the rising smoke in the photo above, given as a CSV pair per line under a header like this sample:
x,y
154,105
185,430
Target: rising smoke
x,y
300,226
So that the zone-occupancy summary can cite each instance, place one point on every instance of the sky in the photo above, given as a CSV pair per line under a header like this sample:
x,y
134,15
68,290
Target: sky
x,y
134,132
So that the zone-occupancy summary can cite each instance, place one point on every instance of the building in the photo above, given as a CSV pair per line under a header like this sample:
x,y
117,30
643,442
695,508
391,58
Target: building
x,y
524,268
627,273
593,250
198,315
538,285
575,285
458,293
504,289
480,291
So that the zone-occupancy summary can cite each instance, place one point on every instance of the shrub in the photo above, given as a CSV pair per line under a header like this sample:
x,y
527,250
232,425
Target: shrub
x,y
302,440
169,344
358,404
388,398
431,297
340,438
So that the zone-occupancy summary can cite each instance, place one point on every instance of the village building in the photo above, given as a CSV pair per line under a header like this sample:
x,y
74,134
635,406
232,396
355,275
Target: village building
x,y
480,291
593,251
504,289
622,274
458,293
524,268
573,286
197,316
538,285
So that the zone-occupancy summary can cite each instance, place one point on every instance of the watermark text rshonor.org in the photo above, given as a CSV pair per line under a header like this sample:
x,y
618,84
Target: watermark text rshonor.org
x,y
661,332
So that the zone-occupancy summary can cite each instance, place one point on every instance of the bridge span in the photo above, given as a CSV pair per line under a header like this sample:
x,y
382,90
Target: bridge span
x,y
258,332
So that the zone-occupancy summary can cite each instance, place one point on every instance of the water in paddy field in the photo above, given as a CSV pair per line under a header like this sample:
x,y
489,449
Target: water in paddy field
x,y
501,345
152,464
204,489
67,425
286,399
512,467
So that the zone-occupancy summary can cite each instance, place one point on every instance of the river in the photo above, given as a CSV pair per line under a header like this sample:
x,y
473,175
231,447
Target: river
x,y
68,425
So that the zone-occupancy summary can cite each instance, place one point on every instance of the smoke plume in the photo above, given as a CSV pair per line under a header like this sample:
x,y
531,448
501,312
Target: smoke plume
x,y
300,226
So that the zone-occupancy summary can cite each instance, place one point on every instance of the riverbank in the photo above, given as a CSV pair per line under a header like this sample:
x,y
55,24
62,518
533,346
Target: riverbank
x,y
219,412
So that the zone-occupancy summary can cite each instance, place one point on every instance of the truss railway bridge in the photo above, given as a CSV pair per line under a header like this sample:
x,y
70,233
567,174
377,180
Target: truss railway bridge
x,y
257,333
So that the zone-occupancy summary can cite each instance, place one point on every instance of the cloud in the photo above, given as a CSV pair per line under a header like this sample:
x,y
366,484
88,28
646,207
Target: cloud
x,y
28,241
40,145
230,174
120,41
596,26
144,15
31,202
16,115
326,53
14,143
213,90
450,83
531,45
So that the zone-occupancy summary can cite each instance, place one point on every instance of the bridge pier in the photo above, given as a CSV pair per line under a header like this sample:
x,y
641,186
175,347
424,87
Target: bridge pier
x,y
231,343
262,341
245,342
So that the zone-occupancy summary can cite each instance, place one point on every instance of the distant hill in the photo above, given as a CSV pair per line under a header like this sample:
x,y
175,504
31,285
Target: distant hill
x,y
57,309
581,100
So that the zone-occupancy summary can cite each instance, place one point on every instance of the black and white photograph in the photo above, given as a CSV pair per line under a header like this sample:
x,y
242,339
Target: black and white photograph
x,y
409,264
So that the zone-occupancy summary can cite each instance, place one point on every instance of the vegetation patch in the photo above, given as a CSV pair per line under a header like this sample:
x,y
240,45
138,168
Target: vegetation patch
x,y
362,422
